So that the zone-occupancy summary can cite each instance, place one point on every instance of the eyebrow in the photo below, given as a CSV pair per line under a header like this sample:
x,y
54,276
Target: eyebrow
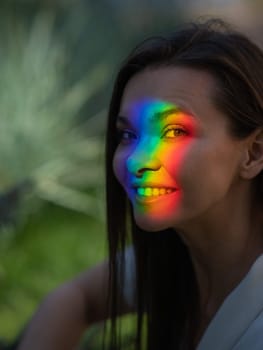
x,y
157,116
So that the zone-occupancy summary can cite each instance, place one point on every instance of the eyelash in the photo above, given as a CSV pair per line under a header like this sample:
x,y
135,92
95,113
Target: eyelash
x,y
122,132
133,135
182,131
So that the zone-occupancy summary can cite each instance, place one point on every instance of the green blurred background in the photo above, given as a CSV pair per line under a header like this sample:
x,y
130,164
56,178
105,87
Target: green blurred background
x,y
58,59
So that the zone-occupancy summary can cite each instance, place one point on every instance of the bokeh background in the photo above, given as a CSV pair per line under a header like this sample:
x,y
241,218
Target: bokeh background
x,y
58,59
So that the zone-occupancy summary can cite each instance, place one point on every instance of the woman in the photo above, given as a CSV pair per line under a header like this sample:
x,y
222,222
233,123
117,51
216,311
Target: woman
x,y
184,160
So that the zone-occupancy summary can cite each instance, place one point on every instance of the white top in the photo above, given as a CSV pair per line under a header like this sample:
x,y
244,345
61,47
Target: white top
x,y
238,324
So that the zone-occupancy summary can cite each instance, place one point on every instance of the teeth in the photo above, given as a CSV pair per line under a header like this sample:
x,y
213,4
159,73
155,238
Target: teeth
x,y
150,191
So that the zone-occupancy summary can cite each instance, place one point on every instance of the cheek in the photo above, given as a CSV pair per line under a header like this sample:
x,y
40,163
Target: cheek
x,y
179,161
206,176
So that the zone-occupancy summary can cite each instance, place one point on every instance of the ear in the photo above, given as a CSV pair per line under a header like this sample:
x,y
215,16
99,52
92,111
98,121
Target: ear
x,y
252,163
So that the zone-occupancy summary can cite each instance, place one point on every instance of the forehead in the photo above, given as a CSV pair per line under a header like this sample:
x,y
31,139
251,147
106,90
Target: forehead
x,y
186,88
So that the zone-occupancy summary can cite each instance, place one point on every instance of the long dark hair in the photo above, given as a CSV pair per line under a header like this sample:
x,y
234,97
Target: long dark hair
x,y
166,287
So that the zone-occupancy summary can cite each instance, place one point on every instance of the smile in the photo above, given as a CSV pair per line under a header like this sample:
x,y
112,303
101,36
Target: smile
x,y
153,191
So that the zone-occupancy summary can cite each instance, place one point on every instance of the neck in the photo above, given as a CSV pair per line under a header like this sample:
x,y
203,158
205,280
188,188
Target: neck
x,y
222,248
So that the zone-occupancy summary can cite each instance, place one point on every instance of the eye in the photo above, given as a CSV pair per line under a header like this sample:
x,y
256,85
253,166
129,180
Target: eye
x,y
125,136
173,132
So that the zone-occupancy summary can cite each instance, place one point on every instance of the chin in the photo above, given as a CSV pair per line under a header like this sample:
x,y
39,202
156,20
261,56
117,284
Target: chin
x,y
151,224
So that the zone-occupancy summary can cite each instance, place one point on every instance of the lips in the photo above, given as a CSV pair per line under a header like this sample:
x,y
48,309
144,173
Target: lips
x,y
137,184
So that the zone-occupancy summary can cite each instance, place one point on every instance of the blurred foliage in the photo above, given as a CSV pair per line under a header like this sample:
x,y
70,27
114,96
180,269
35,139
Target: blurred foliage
x,y
54,245
46,155
40,141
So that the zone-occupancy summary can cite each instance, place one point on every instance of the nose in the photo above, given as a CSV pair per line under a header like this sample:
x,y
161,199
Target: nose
x,y
142,160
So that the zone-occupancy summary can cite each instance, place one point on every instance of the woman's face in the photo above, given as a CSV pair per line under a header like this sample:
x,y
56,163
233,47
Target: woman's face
x,y
175,159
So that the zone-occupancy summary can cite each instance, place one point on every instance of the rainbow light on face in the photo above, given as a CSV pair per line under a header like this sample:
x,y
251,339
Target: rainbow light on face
x,y
155,158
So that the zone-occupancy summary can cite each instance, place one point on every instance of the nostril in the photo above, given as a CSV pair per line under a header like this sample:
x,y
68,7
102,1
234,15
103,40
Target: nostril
x,y
138,166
